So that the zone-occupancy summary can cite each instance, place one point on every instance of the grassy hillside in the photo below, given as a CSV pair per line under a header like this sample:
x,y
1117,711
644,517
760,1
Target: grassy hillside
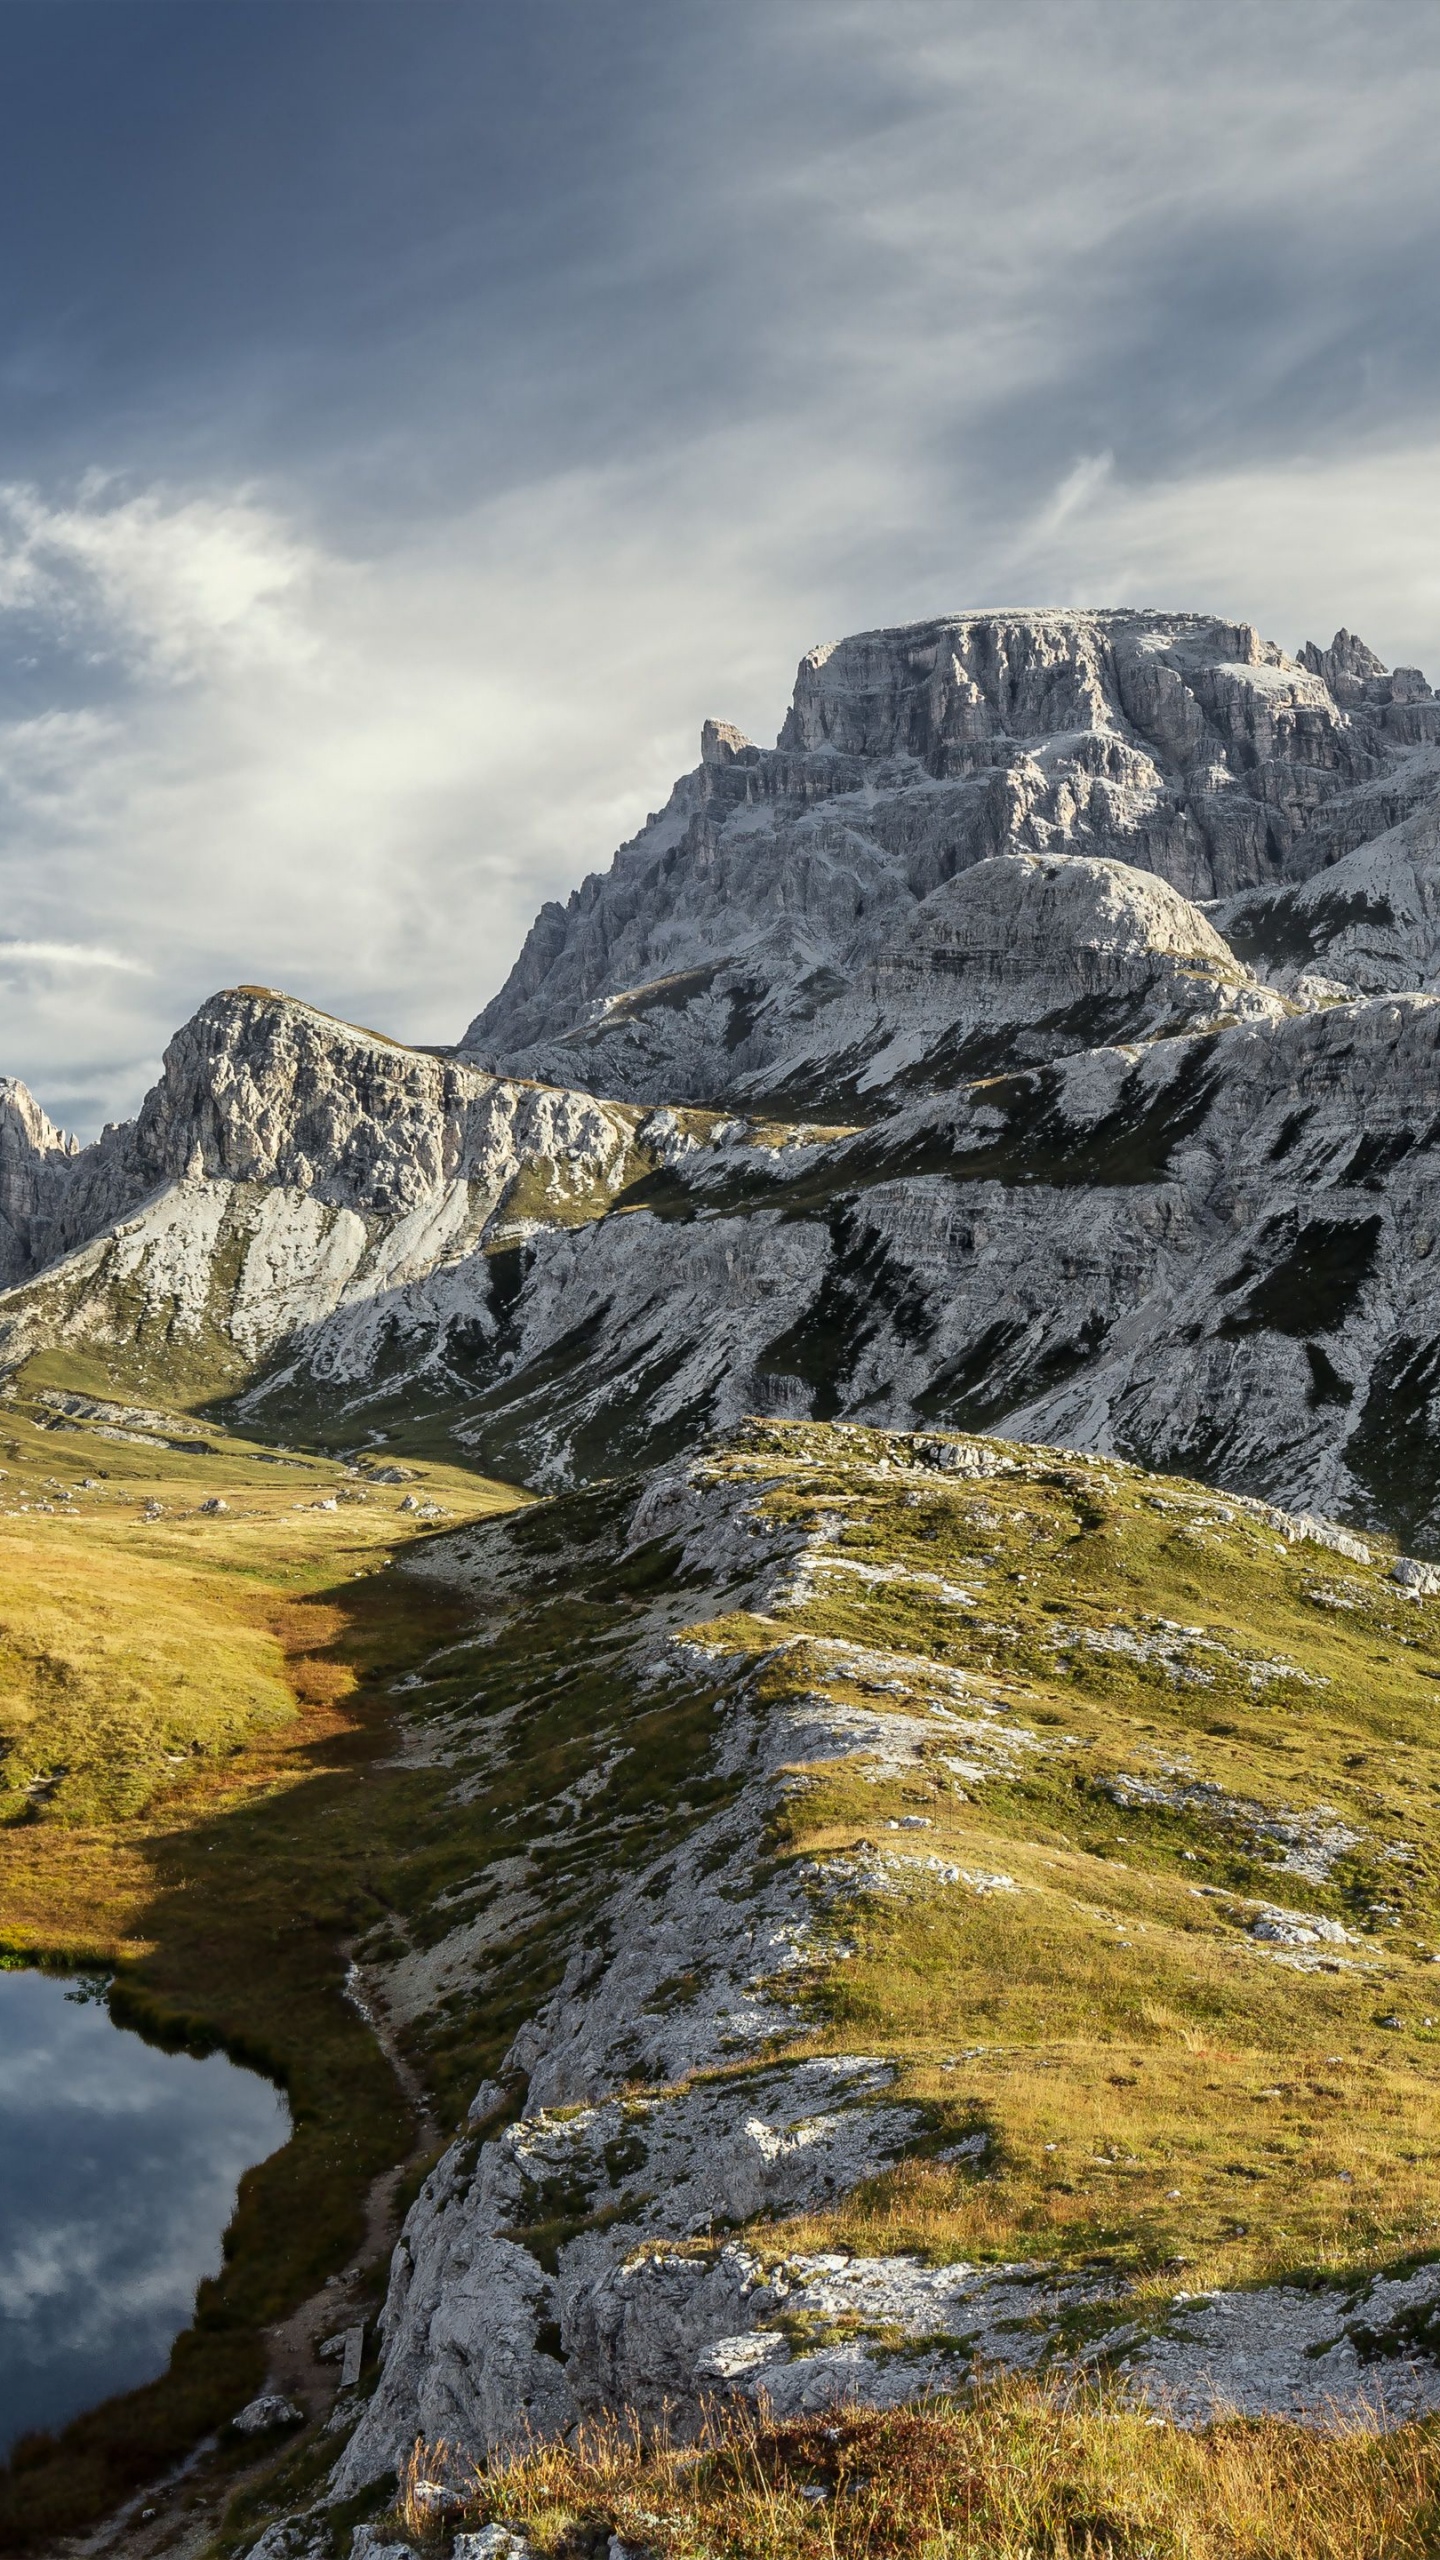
x,y
1185,1723
189,1698
1018,2473
1153,1908
154,1582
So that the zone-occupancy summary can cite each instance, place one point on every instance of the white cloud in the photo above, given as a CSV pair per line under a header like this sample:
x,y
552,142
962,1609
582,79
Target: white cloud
x,y
180,586
964,307
1297,548
371,815
67,955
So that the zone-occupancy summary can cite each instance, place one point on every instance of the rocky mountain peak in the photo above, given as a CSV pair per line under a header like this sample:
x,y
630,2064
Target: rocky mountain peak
x,y
1358,679
783,894
260,1089
939,691
31,1148
721,743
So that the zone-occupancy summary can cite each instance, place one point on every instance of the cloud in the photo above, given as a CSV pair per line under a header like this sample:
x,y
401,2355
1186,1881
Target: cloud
x,y
67,955
1297,549
174,587
823,316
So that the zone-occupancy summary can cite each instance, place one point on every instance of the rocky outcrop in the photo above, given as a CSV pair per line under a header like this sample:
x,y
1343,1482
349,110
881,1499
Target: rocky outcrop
x,y
257,1089
32,1155
760,934
1022,958
287,1166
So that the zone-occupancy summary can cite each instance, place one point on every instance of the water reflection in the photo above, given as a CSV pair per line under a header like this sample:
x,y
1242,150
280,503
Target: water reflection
x,y
118,2171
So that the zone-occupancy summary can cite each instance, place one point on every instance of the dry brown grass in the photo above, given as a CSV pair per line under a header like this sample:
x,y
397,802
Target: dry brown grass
x,y
1020,2472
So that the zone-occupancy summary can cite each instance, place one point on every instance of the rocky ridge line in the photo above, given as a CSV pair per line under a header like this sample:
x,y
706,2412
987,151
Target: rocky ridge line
x,y
662,2111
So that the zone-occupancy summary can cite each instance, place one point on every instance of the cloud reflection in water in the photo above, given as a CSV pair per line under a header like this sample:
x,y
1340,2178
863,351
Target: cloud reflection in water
x,y
118,2171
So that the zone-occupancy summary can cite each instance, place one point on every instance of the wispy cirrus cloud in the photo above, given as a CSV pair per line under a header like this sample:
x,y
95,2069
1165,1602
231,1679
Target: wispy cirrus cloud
x,y
68,955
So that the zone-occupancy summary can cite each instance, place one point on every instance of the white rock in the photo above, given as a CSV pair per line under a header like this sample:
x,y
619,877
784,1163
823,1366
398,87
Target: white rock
x,y
264,2415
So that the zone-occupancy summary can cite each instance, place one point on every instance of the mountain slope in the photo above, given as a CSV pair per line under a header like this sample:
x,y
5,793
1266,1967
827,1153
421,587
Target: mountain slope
x,y
1212,1251
886,2063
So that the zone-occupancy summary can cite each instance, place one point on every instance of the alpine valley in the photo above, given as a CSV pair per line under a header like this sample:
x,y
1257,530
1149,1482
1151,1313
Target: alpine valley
x,y
882,1774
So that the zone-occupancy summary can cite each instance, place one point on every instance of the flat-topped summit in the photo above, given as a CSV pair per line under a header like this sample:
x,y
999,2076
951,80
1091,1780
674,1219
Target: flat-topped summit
x,y
726,951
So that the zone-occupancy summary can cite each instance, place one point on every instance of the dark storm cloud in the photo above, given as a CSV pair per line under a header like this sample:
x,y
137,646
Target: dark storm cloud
x,y
416,419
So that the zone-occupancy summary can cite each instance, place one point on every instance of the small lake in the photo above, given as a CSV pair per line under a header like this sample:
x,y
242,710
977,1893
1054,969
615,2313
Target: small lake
x,y
118,2171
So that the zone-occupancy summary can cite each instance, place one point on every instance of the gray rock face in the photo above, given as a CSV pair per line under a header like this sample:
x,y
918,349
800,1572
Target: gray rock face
x,y
259,1090
1113,1187
763,934
32,1154
1370,921
316,1166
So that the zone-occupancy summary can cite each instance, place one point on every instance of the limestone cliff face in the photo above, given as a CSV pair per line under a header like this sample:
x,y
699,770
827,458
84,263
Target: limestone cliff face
x,y
287,1165
259,1089
32,1152
758,935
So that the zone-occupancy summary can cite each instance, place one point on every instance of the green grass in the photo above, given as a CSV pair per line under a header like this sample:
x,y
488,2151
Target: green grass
x,y
227,1890
1158,2086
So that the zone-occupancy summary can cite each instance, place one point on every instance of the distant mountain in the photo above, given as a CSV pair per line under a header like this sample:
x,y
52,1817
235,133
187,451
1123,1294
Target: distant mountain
x,y
1081,1159
796,924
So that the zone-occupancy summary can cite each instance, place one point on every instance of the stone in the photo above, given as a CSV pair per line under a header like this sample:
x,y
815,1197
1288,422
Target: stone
x,y
370,2542
435,2499
492,2542
265,2415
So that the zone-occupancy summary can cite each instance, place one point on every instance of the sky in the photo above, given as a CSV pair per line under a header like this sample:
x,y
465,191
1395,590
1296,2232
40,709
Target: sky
x,y
417,416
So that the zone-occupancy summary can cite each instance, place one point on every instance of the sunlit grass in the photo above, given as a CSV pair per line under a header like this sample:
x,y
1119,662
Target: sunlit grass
x,y
1018,2472
1158,2087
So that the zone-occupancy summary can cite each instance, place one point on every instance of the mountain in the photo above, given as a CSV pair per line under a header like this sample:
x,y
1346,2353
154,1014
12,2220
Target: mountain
x,y
789,927
1086,1172
947,1227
